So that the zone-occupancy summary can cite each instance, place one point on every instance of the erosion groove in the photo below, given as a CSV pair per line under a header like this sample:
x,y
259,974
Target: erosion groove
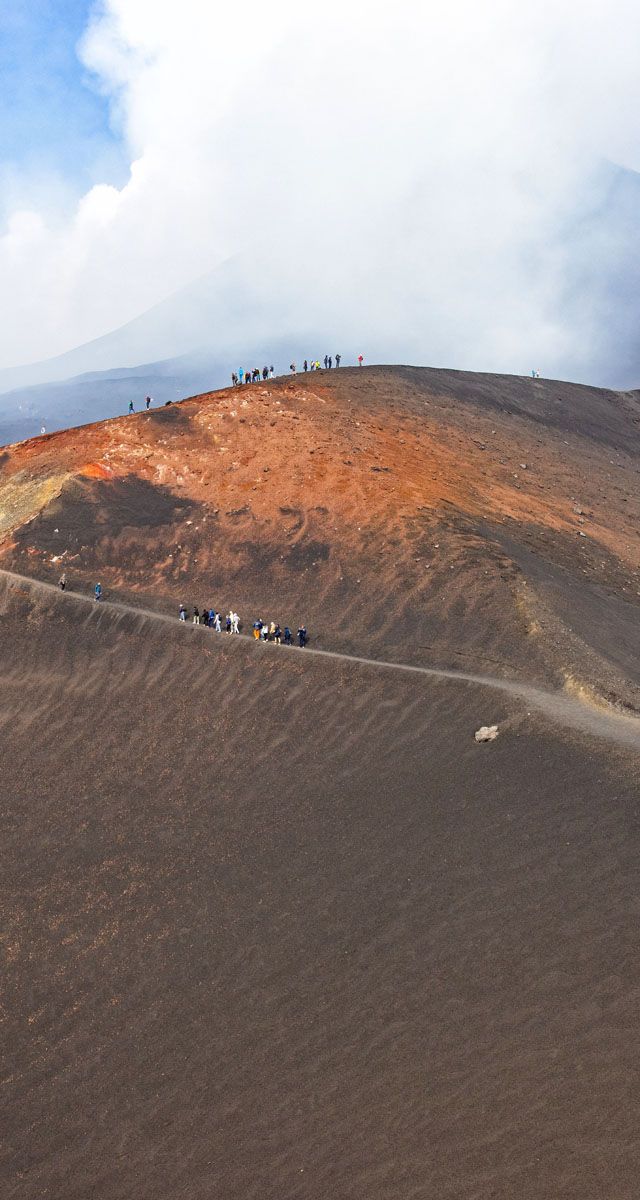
x,y
589,718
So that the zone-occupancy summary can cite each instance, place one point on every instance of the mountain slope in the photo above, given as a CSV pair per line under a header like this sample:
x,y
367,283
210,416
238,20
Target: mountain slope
x,y
274,924
474,520
278,927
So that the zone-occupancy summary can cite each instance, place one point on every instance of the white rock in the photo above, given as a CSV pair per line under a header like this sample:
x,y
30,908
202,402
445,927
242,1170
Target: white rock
x,y
487,733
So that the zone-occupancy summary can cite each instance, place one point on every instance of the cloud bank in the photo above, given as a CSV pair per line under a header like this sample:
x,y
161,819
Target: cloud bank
x,y
439,185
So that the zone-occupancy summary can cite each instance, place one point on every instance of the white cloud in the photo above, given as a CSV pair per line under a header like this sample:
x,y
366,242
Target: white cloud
x,y
419,178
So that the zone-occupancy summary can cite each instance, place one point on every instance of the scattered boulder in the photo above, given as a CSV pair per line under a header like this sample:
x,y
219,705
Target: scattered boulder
x,y
487,733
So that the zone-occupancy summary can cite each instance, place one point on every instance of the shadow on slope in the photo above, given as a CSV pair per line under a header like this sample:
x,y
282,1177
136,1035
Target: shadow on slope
x,y
88,510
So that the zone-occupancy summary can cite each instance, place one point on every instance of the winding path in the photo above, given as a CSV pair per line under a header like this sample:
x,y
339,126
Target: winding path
x,y
561,709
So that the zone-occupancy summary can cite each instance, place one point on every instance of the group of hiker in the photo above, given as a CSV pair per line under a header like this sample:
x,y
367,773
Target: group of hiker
x,y
262,630
148,401
272,632
242,376
213,619
314,364
97,591
62,584
255,375
238,378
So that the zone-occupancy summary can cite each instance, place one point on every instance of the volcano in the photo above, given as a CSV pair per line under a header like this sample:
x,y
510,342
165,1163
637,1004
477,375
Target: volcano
x,y
275,923
452,519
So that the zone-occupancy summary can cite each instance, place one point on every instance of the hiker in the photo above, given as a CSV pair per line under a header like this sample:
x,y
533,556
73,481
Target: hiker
x,y
302,637
272,632
227,622
256,375
292,368
272,373
196,616
212,617
234,379
326,361
330,362
265,373
360,360
247,376
287,636
263,631
257,626
97,591
148,402
216,623
62,582
204,617
131,408
305,365
277,634
240,375
338,357
235,623
182,613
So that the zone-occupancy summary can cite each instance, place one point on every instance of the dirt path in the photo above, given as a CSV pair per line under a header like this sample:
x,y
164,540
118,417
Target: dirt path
x,y
560,708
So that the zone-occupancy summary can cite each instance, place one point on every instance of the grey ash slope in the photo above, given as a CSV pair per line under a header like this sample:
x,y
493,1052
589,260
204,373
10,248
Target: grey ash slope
x,y
278,927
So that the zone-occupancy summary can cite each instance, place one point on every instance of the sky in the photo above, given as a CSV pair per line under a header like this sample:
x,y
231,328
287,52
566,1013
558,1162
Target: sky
x,y
55,134
448,185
